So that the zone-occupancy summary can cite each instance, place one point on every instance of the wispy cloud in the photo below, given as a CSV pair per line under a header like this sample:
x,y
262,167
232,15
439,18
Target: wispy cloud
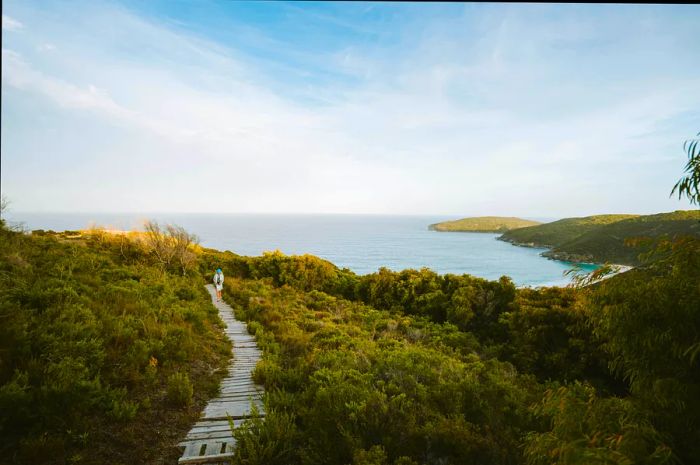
x,y
10,24
46,47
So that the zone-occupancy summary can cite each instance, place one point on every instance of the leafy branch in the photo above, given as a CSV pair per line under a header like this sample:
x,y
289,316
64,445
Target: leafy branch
x,y
689,185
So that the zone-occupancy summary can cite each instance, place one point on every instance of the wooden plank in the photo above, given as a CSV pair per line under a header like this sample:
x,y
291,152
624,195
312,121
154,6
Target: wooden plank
x,y
234,404
191,449
206,459
204,424
225,411
234,387
241,393
217,426
223,435
214,447
228,398
239,382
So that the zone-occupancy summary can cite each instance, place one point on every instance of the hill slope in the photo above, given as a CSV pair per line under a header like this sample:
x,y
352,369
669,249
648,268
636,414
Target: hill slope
x,y
602,238
559,232
483,224
607,243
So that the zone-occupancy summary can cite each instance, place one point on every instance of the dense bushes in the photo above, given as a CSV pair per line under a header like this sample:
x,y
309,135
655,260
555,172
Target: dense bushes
x,y
416,367
372,385
90,330
471,303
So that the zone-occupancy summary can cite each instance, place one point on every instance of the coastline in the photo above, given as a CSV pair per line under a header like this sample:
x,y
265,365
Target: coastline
x,y
576,260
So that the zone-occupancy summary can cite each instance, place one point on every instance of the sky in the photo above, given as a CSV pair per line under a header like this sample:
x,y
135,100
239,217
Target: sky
x,y
460,109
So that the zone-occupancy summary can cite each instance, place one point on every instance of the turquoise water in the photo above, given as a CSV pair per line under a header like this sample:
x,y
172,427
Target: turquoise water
x,y
362,243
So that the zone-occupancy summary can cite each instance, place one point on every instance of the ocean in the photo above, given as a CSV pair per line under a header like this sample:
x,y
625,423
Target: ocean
x,y
362,243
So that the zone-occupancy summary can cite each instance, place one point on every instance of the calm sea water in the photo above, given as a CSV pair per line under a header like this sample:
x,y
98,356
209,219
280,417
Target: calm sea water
x,y
362,243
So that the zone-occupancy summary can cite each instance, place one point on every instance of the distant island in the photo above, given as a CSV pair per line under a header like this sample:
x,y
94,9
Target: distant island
x,y
604,238
490,224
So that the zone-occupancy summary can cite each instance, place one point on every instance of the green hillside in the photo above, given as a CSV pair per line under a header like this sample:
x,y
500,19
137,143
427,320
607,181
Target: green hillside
x,y
607,243
602,238
483,224
559,232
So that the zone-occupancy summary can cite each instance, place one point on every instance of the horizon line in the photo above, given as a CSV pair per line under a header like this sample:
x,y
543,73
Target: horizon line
x,y
456,215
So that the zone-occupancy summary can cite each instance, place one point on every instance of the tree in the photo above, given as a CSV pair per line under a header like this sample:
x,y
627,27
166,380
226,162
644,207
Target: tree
x,y
172,246
4,205
689,185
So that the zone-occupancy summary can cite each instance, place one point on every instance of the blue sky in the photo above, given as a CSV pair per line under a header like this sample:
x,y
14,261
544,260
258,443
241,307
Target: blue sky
x,y
457,109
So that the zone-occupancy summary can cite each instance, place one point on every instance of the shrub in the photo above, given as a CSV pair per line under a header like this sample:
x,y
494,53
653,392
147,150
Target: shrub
x,y
265,441
123,410
180,390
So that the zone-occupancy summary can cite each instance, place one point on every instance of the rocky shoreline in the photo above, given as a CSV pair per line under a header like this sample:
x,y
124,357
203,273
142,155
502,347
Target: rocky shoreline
x,y
577,259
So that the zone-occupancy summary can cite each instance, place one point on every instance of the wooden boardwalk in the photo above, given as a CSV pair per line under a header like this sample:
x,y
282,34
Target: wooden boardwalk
x,y
210,439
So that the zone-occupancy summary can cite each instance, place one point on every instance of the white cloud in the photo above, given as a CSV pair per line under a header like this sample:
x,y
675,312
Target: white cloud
x,y
10,24
47,47
21,75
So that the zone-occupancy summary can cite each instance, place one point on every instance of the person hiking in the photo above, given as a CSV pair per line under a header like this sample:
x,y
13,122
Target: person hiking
x,y
218,283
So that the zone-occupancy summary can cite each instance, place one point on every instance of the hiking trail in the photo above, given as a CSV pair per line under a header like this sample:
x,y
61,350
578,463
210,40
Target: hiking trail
x,y
210,440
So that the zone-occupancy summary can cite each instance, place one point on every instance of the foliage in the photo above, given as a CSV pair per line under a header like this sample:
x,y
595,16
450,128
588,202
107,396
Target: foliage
x,y
267,440
354,378
172,246
180,390
689,185
587,429
550,336
650,319
91,329
620,242
483,224
559,232
605,238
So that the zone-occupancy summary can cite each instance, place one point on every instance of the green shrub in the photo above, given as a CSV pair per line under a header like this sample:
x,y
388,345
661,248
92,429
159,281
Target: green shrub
x,y
265,440
180,390
124,410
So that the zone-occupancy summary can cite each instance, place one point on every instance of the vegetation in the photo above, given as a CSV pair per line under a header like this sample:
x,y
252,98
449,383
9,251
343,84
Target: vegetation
x,y
98,344
689,185
407,367
483,224
353,384
416,367
606,238
622,242
558,233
